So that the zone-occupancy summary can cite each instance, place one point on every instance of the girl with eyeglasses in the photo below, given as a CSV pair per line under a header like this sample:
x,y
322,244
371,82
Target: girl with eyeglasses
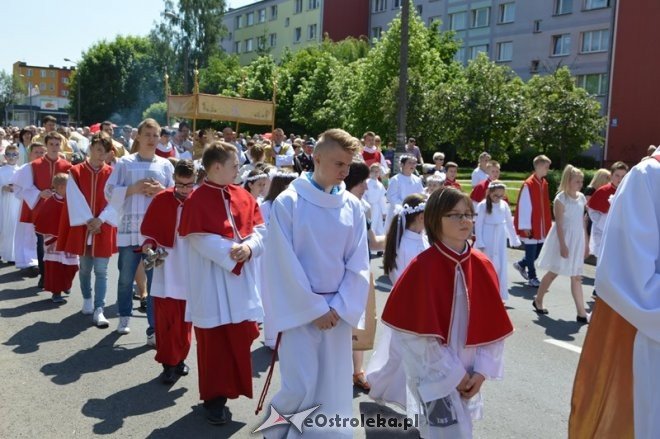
x,y
493,226
447,351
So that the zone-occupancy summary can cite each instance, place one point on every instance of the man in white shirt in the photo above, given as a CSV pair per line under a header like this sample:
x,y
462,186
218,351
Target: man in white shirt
x,y
480,173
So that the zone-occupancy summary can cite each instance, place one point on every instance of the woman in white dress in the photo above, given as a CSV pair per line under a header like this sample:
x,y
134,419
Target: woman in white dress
x,y
494,225
405,240
402,185
563,251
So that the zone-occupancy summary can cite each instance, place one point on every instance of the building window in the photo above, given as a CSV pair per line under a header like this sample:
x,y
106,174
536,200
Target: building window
x,y
459,56
537,26
313,4
42,87
299,6
237,47
563,7
432,19
297,34
534,66
595,41
261,43
65,93
51,87
286,22
458,21
507,12
249,45
595,84
475,50
376,32
238,22
229,36
273,40
250,18
52,73
396,4
505,51
43,73
561,45
311,32
596,4
419,9
480,17
273,12
379,5
65,80
261,15
29,73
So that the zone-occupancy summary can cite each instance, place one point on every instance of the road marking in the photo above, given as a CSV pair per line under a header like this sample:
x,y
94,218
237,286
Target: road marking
x,y
563,344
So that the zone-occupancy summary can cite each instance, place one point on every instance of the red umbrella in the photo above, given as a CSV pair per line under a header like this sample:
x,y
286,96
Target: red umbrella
x,y
95,128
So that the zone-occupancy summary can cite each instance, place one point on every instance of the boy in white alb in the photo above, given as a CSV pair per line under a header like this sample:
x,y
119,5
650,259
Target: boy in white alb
x,y
321,271
375,196
402,185
10,206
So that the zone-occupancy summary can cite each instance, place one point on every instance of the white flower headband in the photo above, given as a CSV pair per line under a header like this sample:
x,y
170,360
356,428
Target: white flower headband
x,y
406,157
256,177
275,173
404,211
496,185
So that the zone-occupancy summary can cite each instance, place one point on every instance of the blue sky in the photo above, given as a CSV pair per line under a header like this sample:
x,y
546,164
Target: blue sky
x,y
42,32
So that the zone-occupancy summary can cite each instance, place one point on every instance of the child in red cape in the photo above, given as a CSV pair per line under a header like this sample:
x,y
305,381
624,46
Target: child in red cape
x,y
449,320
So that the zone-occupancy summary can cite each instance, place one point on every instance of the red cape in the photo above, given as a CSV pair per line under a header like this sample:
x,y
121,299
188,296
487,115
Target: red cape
x,y
453,183
43,171
47,221
159,223
421,301
600,200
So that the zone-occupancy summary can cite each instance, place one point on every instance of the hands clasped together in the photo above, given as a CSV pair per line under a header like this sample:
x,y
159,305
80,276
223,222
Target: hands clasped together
x,y
470,385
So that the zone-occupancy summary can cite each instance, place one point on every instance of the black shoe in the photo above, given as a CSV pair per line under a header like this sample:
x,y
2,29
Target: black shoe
x,y
182,369
169,375
538,310
217,412
40,284
31,271
584,320
143,305
67,292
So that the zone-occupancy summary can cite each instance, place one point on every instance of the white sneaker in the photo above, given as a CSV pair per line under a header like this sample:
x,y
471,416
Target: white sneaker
x,y
88,306
99,319
151,340
122,327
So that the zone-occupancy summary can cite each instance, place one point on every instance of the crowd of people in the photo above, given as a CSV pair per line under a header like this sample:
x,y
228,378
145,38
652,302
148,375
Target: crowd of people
x,y
227,234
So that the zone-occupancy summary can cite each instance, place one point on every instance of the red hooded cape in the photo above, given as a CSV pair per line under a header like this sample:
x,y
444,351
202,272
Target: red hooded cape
x,y
421,301
600,200
47,220
159,223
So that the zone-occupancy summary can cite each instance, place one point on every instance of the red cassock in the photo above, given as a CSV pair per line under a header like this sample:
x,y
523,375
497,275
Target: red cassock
x,y
371,157
166,154
58,277
43,171
421,301
600,200
541,216
91,183
452,183
159,223
223,353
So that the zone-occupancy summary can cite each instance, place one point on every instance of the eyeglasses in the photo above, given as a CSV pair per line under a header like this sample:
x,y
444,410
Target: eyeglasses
x,y
184,186
461,216
439,160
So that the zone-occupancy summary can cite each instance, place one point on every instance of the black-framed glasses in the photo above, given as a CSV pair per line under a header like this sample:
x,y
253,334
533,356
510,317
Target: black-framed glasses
x,y
461,216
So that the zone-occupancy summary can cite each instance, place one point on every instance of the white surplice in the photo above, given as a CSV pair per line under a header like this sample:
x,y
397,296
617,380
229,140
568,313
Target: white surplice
x,y
375,196
385,372
400,186
316,258
492,231
10,210
25,239
628,279
170,280
434,371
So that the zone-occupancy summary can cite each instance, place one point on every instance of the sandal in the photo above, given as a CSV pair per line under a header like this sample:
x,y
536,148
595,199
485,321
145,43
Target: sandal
x,y
538,310
360,381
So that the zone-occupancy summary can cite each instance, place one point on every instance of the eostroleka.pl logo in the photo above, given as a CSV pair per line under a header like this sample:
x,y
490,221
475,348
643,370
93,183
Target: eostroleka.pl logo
x,y
321,420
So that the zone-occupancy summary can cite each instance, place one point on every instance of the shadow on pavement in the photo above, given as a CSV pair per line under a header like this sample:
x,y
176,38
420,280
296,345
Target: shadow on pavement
x,y
45,304
23,293
261,358
15,276
144,398
559,329
104,355
194,425
28,339
373,410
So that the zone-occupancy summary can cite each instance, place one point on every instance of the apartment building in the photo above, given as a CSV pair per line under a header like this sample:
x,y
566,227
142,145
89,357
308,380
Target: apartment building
x,y
270,26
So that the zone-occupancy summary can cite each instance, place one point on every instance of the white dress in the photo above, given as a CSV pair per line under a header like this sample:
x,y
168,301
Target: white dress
x,y
550,258
375,196
10,209
492,230
399,188
385,372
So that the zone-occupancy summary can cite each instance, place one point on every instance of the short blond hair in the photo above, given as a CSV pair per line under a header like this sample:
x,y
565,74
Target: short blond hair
x,y
217,152
60,179
541,159
337,136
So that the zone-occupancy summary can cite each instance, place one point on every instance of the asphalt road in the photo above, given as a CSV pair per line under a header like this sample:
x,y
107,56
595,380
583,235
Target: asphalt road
x,y
64,378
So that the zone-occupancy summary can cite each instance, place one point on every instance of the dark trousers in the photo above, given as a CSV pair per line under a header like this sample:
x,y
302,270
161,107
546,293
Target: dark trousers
x,y
40,255
532,252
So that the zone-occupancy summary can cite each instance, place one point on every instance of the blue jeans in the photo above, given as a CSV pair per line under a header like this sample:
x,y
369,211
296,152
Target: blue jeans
x,y
532,252
127,263
100,266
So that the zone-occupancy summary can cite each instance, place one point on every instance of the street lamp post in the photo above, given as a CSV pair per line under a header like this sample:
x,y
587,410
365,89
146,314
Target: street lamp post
x,y
79,123
29,85
186,50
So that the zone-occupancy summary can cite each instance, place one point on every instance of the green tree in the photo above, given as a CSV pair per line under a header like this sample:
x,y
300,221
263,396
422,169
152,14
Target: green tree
x,y
119,80
560,117
157,111
218,75
481,109
190,35
11,88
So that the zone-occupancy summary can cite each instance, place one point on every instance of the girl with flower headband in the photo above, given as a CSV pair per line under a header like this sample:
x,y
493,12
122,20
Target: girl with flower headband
x,y
493,226
448,321
255,183
405,240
